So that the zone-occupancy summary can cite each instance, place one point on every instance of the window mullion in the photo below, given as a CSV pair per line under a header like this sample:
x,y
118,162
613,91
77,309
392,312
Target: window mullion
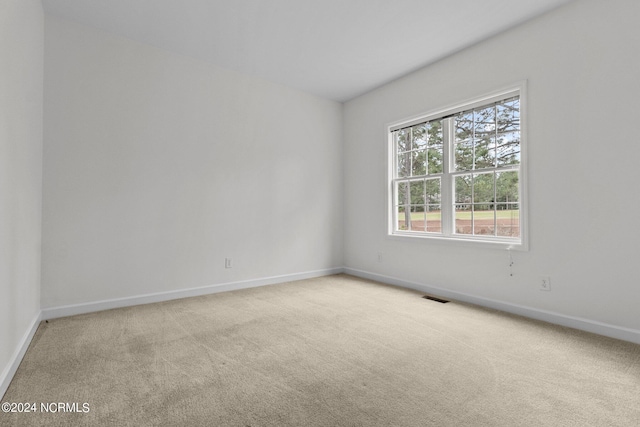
x,y
410,150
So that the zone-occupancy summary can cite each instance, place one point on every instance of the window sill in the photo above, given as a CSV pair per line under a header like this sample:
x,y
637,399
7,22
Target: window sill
x,y
471,241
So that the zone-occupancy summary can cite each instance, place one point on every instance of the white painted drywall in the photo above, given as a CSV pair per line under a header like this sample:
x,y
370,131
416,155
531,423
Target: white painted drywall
x,y
582,63
21,68
158,166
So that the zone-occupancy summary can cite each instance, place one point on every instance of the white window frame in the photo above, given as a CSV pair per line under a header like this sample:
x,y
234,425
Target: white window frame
x,y
447,188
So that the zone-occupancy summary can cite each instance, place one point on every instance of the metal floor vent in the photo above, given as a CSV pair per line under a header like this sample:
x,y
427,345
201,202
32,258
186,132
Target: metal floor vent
x,y
443,301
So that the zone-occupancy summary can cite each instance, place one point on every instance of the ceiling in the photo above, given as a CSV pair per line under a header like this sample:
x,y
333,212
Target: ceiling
x,y
336,49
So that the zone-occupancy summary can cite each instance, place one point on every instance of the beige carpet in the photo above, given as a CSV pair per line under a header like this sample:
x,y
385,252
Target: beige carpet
x,y
333,351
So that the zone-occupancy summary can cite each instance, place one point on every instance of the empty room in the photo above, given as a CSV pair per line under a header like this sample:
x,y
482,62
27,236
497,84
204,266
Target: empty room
x,y
319,213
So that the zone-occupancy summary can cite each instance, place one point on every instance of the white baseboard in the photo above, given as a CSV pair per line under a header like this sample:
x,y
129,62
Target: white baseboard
x,y
16,358
613,331
72,310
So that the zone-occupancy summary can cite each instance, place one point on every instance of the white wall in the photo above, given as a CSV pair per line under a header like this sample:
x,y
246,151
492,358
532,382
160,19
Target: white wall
x,y
21,50
582,63
158,166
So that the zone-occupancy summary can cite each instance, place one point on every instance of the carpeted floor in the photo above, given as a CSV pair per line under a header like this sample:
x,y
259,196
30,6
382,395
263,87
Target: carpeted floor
x,y
332,351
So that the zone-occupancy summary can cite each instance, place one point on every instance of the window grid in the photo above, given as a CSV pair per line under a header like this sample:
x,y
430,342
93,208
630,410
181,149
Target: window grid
x,y
417,191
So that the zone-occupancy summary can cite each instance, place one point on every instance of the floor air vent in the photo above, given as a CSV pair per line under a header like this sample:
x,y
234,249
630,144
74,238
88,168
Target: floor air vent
x,y
443,301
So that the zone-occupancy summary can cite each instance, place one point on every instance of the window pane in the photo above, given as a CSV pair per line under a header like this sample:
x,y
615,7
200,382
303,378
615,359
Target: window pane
x,y
402,193
464,155
434,159
485,153
508,115
508,148
418,218
402,215
419,163
434,132
418,137
434,219
401,140
483,189
507,187
484,121
463,189
508,220
483,219
508,142
434,197
404,163
417,192
433,191
463,219
484,138
464,126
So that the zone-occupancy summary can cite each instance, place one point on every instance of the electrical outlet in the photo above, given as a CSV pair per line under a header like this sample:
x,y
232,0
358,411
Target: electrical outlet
x,y
227,263
379,256
545,283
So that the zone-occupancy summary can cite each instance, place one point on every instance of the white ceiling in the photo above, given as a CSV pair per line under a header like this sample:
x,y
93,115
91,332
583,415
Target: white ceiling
x,y
336,49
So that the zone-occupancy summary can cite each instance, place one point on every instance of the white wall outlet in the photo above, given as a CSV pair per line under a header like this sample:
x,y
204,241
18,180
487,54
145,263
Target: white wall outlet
x,y
227,263
379,256
545,283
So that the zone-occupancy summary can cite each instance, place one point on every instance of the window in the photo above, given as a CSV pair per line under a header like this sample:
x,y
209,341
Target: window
x,y
458,174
